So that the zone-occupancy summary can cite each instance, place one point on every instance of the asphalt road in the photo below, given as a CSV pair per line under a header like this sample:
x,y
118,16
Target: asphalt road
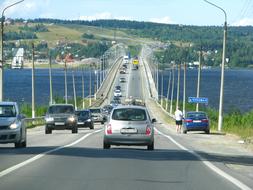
x,y
66,161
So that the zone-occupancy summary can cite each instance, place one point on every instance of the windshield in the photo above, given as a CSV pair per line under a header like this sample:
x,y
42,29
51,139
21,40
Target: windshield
x,y
129,114
61,109
7,111
196,115
83,113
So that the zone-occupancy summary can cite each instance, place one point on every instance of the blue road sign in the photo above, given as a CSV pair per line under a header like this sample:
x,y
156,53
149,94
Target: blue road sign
x,y
198,100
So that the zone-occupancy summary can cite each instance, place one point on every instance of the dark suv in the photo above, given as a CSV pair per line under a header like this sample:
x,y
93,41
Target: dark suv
x,y
61,117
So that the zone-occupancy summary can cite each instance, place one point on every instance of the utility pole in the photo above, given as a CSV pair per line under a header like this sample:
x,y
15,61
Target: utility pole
x,y
184,89
172,89
2,51
50,79
199,76
74,88
90,86
222,66
65,84
168,92
83,89
162,91
178,83
33,87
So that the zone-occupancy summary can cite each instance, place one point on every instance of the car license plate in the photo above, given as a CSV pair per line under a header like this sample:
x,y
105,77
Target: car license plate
x,y
80,123
196,121
128,131
59,123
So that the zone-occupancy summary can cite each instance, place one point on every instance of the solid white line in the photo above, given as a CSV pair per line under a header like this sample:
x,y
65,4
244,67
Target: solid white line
x,y
208,164
20,165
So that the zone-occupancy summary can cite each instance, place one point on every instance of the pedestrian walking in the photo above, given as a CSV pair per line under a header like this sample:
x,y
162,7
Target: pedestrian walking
x,y
178,118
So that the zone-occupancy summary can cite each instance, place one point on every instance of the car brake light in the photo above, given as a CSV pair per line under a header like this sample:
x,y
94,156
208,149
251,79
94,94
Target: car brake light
x,y
148,130
188,120
109,129
205,120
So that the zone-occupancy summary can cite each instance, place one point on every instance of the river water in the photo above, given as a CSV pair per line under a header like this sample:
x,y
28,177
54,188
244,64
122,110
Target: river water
x,y
238,86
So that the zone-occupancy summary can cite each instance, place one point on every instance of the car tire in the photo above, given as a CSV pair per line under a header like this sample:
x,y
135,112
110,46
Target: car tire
x,y
207,131
102,122
185,131
106,146
75,130
48,131
151,146
92,126
20,144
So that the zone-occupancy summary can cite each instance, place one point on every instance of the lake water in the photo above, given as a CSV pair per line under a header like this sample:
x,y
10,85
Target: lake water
x,y
238,86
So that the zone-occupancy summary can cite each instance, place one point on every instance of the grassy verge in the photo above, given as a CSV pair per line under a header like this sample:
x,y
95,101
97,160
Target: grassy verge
x,y
233,122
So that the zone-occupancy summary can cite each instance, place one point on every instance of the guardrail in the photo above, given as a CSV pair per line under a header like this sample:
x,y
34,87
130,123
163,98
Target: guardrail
x,y
32,122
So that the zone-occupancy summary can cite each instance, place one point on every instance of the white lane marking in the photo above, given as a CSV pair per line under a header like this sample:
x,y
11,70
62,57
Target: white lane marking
x,y
20,165
208,164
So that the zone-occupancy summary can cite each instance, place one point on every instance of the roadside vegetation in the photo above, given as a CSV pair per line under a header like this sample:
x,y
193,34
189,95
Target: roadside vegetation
x,y
234,122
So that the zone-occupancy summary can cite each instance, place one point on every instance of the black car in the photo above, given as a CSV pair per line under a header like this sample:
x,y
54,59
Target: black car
x,y
61,117
84,119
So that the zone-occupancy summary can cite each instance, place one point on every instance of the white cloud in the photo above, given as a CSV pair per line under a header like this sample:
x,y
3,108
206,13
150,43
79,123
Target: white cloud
x,y
164,20
243,22
104,15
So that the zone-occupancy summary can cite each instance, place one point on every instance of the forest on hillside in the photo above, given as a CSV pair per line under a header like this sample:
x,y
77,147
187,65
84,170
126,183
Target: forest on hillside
x,y
239,39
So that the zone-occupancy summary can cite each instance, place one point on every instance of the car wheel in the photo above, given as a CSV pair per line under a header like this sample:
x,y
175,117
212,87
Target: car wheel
x,y
151,146
106,146
184,131
207,131
102,122
48,131
75,130
92,127
20,144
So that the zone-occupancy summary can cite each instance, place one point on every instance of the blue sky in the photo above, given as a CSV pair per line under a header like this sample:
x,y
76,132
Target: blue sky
x,y
186,12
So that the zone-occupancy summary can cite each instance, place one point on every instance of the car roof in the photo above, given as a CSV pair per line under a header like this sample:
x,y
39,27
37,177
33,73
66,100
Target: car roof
x,y
195,112
62,105
83,110
8,103
131,106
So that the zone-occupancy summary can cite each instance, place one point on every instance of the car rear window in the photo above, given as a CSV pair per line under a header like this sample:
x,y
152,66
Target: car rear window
x,y
196,115
82,113
129,114
95,110
60,109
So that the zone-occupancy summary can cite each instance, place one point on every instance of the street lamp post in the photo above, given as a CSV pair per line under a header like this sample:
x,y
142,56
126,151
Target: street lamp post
x,y
33,84
50,79
65,83
222,66
1,49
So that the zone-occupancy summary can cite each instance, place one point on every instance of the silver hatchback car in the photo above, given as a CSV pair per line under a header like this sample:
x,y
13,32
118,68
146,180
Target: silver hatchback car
x,y
12,126
129,125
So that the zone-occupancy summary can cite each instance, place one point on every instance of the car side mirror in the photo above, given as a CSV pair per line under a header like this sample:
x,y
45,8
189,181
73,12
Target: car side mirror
x,y
153,120
21,116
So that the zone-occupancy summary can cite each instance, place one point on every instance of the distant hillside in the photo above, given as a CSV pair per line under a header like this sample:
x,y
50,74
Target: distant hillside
x,y
239,41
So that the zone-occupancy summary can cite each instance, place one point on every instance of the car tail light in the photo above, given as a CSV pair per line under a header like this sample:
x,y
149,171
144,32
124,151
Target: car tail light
x,y
205,120
148,130
188,120
109,129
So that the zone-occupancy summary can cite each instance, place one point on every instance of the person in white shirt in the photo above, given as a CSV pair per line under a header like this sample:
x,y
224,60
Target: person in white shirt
x,y
178,118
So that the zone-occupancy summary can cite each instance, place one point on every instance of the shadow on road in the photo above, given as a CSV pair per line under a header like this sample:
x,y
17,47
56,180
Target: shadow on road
x,y
131,153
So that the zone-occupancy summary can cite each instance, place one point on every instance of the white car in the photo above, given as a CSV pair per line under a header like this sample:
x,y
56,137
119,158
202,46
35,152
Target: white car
x,y
117,93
